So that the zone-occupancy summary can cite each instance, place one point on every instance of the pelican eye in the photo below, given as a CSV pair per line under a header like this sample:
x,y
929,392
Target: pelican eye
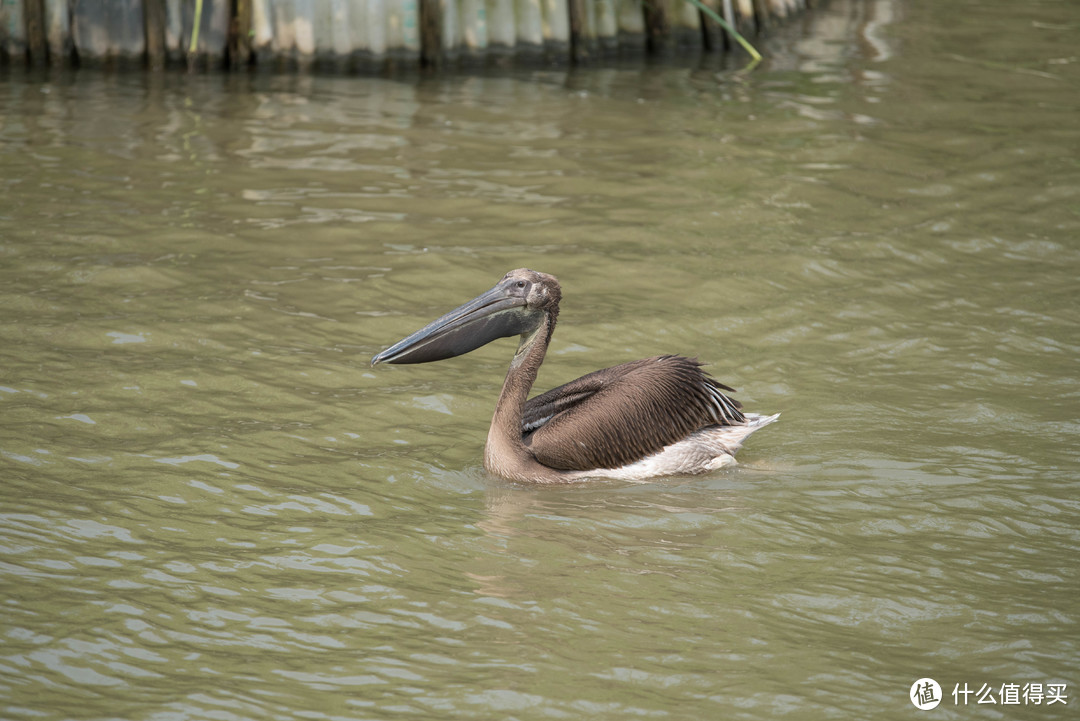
x,y
520,284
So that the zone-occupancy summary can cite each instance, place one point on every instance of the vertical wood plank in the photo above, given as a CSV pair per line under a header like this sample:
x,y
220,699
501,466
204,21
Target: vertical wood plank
x,y
154,20
657,25
240,35
36,46
579,50
431,33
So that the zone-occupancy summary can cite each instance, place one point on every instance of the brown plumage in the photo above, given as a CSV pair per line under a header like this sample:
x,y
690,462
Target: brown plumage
x,y
650,417
622,414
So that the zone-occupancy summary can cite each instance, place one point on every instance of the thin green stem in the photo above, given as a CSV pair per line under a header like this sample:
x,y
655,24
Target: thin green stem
x,y
193,48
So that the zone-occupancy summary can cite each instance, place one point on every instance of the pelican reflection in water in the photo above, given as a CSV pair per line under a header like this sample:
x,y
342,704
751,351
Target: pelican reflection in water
x,y
653,417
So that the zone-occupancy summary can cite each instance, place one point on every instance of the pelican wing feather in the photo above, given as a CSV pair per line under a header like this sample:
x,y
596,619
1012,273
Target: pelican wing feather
x,y
619,415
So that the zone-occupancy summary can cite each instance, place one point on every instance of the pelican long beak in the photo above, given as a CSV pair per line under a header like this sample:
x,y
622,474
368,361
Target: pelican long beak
x,y
495,314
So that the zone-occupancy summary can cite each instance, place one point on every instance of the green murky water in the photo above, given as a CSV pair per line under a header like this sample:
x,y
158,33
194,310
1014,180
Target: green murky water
x,y
213,509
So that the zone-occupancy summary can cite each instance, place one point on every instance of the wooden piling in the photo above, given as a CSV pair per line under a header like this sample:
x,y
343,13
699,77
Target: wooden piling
x,y
34,18
744,18
712,35
630,21
556,28
502,30
368,35
58,31
657,25
431,33
685,24
241,32
154,19
528,16
607,26
579,50
12,34
763,18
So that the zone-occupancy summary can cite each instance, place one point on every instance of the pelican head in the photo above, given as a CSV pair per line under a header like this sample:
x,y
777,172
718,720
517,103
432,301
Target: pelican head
x,y
515,306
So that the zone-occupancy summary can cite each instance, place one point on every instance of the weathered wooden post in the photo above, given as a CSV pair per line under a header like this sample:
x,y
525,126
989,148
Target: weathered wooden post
x,y
763,18
240,35
579,50
12,33
58,31
154,19
556,26
431,33
744,18
657,25
34,18
712,35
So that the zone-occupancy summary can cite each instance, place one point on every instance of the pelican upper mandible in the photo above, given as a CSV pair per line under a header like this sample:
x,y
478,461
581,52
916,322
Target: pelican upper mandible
x,y
653,417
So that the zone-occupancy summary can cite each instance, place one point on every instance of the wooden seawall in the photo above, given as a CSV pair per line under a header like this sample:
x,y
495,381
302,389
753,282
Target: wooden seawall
x,y
358,35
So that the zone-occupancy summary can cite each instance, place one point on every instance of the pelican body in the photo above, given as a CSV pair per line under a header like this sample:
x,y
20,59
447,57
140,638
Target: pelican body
x,y
653,417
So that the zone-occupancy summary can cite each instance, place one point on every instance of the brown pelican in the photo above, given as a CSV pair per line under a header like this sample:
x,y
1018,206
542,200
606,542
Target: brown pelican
x,y
652,417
